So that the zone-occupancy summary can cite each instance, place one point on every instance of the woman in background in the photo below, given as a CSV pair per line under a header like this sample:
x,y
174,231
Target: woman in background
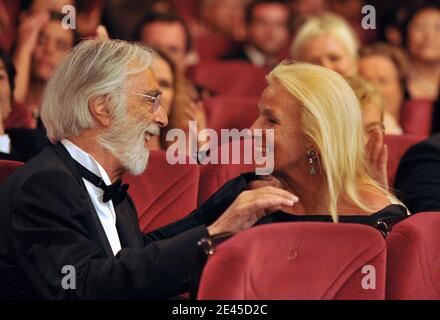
x,y
387,67
421,35
329,41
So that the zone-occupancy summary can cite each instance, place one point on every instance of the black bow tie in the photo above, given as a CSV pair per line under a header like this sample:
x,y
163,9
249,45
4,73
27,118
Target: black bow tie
x,y
115,192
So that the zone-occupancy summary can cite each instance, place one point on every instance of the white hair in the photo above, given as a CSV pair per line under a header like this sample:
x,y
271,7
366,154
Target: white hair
x,y
93,69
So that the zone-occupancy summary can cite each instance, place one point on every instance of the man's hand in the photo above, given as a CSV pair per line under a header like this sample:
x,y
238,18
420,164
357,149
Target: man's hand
x,y
249,207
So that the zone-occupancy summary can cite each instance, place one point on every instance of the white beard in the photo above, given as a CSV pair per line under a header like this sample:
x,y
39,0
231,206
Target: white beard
x,y
126,140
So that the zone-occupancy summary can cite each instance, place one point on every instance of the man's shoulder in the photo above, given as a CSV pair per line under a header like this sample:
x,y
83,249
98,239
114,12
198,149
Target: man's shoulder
x,y
47,168
429,147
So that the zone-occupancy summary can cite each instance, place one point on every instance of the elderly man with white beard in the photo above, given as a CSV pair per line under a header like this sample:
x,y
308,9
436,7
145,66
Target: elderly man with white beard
x,y
68,230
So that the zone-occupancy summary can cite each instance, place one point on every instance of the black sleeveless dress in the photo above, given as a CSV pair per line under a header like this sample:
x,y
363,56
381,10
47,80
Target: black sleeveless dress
x,y
382,220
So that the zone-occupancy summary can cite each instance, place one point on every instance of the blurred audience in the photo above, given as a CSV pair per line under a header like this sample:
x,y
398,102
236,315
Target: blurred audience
x,y
42,43
176,103
267,25
18,144
372,107
387,67
421,35
168,33
329,41
226,17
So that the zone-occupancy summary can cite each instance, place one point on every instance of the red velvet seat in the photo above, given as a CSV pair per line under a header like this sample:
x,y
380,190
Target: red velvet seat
x,y
288,261
231,112
397,146
416,117
215,46
164,193
7,168
213,176
413,258
230,77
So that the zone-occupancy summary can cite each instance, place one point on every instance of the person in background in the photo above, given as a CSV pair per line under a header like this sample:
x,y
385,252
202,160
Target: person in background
x,y
176,103
418,176
170,34
372,108
351,11
329,41
15,144
7,74
42,44
226,17
387,67
268,31
303,9
421,35
88,17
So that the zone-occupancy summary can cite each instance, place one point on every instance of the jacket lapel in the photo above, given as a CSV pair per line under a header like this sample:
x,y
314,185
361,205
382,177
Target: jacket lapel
x,y
98,231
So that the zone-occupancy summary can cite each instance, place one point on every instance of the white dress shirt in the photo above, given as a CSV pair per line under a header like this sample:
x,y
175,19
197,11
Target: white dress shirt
x,y
5,144
105,211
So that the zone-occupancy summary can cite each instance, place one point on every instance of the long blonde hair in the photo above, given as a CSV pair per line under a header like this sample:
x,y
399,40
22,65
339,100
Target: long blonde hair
x,y
331,120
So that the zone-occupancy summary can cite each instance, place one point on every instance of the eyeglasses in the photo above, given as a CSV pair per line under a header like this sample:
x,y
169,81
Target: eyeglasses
x,y
154,101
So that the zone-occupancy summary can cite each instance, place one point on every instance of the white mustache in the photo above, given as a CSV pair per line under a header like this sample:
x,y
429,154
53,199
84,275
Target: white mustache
x,y
153,130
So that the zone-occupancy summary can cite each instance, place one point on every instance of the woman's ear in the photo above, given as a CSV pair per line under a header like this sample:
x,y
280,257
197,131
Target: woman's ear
x,y
100,111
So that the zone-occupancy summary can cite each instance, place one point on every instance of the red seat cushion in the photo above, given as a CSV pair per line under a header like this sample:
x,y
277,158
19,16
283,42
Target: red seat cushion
x,y
213,176
164,193
231,112
397,147
416,117
7,168
230,77
297,261
413,258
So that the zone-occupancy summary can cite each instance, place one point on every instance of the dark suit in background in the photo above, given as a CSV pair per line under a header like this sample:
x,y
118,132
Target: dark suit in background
x,y
418,176
48,221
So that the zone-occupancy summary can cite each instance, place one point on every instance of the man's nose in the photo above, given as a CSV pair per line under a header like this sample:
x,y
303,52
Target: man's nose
x,y
161,118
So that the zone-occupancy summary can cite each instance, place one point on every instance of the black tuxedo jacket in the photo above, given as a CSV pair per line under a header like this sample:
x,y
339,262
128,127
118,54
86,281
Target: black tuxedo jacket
x,y
418,176
25,144
47,221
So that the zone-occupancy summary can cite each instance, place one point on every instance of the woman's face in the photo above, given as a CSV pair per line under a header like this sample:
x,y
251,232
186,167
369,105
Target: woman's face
x,y
52,47
5,92
280,111
329,52
424,36
164,76
383,73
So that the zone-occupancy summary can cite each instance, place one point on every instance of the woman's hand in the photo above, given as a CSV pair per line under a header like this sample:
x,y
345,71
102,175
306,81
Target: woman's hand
x,y
377,155
101,33
249,207
29,30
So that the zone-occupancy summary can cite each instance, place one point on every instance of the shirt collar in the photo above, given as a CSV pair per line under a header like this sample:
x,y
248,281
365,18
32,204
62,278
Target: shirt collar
x,y
256,56
86,160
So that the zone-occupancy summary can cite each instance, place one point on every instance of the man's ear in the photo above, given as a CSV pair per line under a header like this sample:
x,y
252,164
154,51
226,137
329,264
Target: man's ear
x,y
100,111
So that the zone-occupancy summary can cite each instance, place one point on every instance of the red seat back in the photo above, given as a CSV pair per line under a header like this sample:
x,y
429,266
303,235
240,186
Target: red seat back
x,y
416,117
7,168
397,146
230,77
164,193
215,46
231,112
285,261
413,258
213,176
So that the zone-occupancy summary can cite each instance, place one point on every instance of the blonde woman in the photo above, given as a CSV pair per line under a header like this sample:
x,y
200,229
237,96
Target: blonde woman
x,y
329,41
319,152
